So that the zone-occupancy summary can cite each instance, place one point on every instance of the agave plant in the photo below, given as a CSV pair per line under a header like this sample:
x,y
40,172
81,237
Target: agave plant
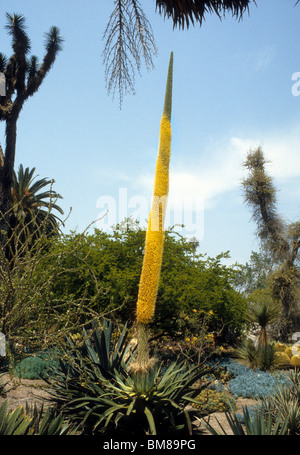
x,y
99,392
257,425
108,351
102,352
139,404
28,421
285,403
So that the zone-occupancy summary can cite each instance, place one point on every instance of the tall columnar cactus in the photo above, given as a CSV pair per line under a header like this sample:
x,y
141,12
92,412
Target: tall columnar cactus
x,y
155,235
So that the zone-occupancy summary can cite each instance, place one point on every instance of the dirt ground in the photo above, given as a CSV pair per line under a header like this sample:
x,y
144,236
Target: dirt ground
x,y
18,392
219,418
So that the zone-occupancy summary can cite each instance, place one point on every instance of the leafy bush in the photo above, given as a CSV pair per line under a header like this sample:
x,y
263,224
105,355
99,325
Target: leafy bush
x,y
282,359
106,268
295,361
210,400
280,347
33,316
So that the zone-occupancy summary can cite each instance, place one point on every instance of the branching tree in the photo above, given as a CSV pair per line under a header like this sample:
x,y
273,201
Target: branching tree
x,y
23,76
254,274
280,238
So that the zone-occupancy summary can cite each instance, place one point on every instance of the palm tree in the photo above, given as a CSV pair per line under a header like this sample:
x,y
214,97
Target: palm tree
x,y
263,313
186,12
31,213
23,76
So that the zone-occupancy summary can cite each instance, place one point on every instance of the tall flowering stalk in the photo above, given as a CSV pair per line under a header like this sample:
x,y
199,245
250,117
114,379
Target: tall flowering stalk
x,y
155,235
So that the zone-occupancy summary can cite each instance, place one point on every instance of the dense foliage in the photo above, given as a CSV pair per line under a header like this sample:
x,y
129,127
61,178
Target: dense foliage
x,y
105,268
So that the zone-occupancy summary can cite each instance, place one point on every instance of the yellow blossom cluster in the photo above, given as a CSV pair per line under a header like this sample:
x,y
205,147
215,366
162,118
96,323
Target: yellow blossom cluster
x,y
155,235
193,340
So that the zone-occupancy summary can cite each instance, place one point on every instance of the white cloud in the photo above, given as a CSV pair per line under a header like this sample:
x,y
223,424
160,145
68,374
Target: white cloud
x,y
224,171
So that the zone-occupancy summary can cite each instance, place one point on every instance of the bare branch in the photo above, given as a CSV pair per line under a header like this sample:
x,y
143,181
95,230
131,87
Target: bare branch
x,y
128,40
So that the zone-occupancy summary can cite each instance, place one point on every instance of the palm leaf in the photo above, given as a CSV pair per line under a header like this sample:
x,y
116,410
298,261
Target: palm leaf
x,y
187,12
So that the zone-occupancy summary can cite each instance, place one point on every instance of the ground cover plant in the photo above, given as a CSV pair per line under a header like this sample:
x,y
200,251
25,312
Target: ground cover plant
x,y
34,367
251,383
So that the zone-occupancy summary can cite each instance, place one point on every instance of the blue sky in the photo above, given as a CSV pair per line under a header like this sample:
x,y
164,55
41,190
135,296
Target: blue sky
x,y
232,92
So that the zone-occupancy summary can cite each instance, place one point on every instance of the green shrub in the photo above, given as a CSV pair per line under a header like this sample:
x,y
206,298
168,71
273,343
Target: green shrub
x,y
105,269
264,357
210,400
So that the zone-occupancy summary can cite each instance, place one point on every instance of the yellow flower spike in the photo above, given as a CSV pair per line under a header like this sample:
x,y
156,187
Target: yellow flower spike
x,y
155,235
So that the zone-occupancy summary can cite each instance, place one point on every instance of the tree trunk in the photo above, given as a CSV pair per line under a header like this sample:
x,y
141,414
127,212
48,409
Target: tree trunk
x,y
6,175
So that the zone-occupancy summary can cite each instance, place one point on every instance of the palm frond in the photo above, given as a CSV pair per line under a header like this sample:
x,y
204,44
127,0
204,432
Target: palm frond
x,y
29,218
187,12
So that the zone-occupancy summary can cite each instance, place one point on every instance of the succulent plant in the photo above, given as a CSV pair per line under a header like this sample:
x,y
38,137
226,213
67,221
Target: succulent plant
x,y
31,421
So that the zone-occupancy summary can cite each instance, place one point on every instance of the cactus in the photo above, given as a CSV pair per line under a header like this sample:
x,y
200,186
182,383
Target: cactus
x,y
295,361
